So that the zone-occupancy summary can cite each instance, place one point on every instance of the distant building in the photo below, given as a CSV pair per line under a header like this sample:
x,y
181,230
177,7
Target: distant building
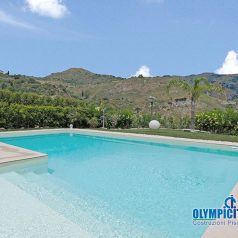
x,y
181,102
229,103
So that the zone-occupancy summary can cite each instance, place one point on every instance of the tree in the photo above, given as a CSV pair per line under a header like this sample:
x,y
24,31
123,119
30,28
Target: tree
x,y
195,90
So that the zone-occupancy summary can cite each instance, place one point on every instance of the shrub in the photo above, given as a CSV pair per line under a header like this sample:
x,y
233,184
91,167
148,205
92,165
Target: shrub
x,y
218,121
175,122
93,122
144,120
125,119
18,116
111,120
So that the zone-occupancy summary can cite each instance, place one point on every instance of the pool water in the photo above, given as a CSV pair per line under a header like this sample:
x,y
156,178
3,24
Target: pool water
x,y
127,188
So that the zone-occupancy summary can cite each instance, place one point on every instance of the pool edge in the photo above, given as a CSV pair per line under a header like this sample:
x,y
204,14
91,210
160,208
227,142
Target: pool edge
x,y
126,135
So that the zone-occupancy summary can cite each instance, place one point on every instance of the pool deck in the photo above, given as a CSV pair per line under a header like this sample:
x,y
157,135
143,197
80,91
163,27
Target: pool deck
x,y
9,154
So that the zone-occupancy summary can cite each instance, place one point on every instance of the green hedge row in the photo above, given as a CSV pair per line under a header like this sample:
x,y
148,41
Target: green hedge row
x,y
218,121
23,116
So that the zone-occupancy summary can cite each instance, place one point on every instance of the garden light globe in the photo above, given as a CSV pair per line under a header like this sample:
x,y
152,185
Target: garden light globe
x,y
154,125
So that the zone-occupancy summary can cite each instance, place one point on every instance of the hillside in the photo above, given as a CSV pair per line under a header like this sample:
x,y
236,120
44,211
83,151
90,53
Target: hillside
x,y
120,92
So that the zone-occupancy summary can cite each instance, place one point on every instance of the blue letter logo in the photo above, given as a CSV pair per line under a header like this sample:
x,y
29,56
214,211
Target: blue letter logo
x,y
230,202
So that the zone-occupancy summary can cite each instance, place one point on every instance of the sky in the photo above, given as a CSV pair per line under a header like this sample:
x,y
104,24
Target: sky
x,y
119,37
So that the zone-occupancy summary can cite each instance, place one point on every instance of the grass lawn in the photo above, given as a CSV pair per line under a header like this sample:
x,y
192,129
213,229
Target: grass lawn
x,y
180,133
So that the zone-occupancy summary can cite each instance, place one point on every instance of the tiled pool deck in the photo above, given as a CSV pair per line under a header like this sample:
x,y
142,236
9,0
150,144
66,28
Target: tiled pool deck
x,y
11,154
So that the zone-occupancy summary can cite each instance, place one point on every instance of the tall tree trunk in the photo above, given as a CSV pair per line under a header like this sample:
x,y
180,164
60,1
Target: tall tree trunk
x,y
193,113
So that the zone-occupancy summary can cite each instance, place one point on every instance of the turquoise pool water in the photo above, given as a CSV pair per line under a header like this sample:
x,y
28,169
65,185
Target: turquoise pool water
x,y
127,188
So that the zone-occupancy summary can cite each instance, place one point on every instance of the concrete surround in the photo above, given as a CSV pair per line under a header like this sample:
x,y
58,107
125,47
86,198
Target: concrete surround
x,y
10,154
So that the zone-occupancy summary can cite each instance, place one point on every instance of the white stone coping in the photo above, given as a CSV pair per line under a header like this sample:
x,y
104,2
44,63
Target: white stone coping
x,y
155,138
162,138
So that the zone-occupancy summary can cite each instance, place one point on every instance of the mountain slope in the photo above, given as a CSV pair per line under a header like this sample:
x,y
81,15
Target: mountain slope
x,y
120,92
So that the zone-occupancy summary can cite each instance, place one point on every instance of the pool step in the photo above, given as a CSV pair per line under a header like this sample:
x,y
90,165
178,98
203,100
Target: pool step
x,y
92,218
22,215
121,225
126,226
59,205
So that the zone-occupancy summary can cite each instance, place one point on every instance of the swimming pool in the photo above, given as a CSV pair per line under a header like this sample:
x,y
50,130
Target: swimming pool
x,y
115,187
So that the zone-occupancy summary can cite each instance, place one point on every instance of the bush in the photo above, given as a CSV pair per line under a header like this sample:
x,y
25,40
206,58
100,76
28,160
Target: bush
x,y
176,122
18,116
93,122
144,120
125,119
218,121
111,120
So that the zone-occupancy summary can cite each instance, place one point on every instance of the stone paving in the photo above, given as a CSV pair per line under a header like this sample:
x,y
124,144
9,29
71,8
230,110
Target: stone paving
x,y
9,153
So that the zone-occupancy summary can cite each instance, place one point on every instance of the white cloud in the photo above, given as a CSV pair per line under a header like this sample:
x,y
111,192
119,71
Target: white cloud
x,y
10,20
51,8
143,70
230,65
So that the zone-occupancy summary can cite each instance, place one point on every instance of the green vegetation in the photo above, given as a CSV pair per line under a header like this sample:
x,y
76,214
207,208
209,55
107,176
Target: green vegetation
x,y
29,110
120,93
195,89
36,99
129,109
218,121
22,116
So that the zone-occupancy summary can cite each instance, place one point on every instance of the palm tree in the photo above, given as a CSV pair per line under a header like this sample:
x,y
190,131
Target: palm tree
x,y
195,90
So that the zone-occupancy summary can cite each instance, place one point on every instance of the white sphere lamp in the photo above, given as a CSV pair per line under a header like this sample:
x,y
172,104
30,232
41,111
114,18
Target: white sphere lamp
x,y
154,124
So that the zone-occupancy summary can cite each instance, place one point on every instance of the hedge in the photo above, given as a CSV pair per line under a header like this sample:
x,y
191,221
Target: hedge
x,y
218,121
